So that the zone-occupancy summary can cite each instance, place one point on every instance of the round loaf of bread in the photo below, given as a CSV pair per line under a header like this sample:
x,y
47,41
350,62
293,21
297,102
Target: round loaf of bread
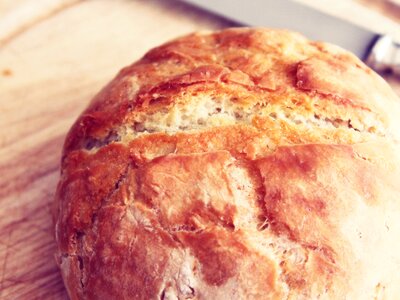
x,y
240,164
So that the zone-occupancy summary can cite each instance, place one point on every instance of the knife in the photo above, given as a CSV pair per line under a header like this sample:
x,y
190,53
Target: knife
x,y
380,52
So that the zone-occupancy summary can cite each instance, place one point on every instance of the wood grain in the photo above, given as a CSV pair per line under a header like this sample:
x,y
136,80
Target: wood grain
x,y
27,14
48,73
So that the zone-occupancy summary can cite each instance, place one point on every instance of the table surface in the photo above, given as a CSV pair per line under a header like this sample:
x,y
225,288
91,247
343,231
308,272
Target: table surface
x,y
54,56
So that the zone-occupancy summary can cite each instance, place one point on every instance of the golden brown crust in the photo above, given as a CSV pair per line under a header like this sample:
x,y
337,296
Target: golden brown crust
x,y
240,164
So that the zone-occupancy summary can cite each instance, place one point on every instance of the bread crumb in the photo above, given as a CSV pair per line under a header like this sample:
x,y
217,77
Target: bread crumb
x,y
7,72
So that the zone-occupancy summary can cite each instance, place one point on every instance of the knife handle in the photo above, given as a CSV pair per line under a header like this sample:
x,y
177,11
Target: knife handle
x,y
385,55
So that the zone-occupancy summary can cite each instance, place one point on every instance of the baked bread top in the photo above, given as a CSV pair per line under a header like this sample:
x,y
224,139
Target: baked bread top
x,y
240,164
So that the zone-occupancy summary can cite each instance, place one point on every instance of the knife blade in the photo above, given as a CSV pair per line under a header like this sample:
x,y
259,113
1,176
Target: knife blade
x,y
380,52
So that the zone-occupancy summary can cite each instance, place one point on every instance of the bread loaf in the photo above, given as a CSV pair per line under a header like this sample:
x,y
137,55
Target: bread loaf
x,y
240,164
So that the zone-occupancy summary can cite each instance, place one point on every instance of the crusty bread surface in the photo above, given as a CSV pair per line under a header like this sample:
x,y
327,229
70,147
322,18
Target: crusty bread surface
x,y
239,164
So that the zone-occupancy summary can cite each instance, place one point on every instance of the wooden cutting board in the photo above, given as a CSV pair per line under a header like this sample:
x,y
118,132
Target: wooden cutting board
x,y
54,56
